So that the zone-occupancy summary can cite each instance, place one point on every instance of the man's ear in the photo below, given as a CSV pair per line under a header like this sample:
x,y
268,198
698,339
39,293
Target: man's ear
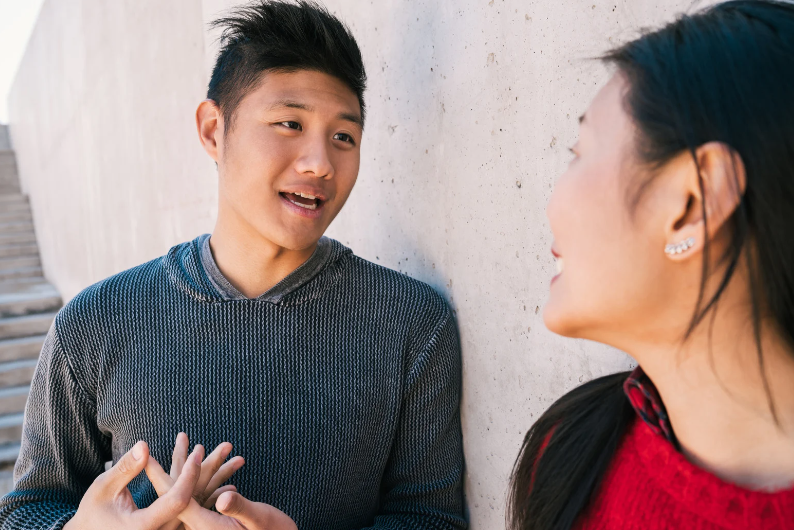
x,y
724,182
209,123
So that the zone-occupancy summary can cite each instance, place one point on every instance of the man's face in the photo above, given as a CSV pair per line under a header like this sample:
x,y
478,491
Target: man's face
x,y
290,159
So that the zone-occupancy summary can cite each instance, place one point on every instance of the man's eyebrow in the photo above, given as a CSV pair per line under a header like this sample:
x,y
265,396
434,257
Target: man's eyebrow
x,y
354,118
291,104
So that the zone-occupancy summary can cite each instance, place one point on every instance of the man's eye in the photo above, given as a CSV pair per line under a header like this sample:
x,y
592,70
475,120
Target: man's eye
x,y
291,125
344,138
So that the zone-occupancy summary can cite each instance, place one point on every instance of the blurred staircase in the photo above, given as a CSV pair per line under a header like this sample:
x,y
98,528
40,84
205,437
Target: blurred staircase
x,y
28,304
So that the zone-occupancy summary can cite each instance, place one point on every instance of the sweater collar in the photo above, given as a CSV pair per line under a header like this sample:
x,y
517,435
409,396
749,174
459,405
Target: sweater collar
x,y
724,504
297,278
193,270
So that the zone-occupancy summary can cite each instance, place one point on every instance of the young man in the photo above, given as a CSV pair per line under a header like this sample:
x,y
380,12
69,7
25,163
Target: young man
x,y
337,380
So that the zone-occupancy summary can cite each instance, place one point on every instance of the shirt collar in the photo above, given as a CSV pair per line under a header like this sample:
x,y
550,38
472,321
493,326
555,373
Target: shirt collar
x,y
647,402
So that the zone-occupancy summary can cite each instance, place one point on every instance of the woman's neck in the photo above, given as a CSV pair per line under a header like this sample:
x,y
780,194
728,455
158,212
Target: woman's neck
x,y
718,400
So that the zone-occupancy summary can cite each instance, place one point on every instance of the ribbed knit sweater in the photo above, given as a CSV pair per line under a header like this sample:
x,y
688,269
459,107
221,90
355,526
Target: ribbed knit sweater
x,y
652,486
340,387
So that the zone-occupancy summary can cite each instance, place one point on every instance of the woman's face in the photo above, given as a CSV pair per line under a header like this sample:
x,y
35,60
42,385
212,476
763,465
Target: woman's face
x,y
613,267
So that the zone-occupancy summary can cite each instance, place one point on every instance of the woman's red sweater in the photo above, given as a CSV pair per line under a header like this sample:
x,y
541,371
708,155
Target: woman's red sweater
x,y
651,486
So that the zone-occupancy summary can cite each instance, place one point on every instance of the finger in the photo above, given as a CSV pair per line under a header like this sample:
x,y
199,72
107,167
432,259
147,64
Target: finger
x,y
158,477
214,497
233,504
211,465
173,525
126,469
225,473
170,505
180,454
197,517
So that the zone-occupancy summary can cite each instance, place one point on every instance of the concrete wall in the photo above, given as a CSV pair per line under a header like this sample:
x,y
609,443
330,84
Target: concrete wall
x,y
101,116
472,106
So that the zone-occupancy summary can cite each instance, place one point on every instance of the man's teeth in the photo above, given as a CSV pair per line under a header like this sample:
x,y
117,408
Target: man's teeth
x,y
312,206
305,196
559,265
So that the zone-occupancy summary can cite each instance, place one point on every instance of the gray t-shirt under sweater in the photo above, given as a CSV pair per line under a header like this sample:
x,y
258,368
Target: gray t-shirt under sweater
x,y
340,386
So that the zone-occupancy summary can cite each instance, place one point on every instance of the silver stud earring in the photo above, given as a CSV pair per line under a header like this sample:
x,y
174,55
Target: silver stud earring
x,y
683,246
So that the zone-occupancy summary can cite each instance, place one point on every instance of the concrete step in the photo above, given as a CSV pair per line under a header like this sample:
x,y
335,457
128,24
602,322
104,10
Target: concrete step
x,y
19,262
21,273
8,455
13,399
17,373
16,327
11,428
12,197
33,280
19,249
37,298
21,348
19,203
6,481
5,138
16,226
16,216
8,166
15,238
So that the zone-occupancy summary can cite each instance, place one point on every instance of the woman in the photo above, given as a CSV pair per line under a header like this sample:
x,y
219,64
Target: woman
x,y
675,224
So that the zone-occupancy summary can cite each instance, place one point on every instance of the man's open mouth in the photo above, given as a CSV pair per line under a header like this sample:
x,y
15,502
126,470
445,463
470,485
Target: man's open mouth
x,y
304,200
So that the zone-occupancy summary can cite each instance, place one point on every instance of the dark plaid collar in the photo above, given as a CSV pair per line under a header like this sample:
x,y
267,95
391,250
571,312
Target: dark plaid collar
x,y
645,399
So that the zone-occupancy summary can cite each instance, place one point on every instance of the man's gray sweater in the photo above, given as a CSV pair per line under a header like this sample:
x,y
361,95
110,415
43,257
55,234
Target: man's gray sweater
x,y
340,387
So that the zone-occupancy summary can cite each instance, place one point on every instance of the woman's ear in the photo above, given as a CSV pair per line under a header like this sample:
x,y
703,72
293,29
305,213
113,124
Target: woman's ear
x,y
717,196
209,123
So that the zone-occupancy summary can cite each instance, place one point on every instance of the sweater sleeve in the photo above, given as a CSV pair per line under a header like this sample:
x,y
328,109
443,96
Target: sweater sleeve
x,y
422,486
63,450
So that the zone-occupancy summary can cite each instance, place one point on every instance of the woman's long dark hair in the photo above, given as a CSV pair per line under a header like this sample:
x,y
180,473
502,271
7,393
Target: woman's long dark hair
x,y
723,75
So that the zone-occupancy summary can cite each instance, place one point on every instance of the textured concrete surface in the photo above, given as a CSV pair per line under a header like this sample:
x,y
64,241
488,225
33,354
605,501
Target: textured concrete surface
x,y
472,105
101,116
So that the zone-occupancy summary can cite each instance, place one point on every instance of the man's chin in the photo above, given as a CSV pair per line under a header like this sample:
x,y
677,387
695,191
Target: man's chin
x,y
297,242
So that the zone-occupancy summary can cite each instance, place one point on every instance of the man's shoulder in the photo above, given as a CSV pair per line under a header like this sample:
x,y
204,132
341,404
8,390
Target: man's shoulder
x,y
116,295
394,287
139,278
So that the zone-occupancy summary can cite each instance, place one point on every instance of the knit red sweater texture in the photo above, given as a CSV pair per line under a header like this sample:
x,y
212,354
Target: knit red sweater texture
x,y
651,486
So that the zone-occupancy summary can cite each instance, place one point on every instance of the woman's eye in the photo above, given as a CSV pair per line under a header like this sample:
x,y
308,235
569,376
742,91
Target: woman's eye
x,y
291,125
344,138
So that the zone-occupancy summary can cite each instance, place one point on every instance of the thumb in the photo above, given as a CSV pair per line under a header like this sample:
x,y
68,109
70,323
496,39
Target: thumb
x,y
253,514
235,505
128,467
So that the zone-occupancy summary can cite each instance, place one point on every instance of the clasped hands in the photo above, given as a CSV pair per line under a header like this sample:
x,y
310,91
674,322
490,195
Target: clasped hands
x,y
186,495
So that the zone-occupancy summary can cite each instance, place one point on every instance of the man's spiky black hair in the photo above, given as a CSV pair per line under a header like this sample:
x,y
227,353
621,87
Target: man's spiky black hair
x,y
282,36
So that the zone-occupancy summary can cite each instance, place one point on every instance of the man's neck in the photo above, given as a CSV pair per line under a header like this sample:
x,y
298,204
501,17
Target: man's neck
x,y
717,401
250,262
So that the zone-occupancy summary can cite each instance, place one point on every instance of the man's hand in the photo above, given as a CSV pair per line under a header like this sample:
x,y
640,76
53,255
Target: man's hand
x,y
108,504
236,512
251,515
214,472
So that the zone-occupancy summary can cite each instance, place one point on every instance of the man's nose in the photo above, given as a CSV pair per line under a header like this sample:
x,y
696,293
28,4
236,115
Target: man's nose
x,y
314,159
